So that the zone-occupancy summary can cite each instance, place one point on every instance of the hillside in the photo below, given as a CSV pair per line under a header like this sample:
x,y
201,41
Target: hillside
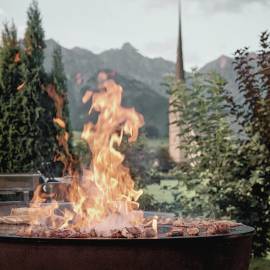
x,y
136,94
126,61
140,76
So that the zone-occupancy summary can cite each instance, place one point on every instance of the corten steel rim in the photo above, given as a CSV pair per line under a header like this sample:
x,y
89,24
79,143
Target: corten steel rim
x,y
237,232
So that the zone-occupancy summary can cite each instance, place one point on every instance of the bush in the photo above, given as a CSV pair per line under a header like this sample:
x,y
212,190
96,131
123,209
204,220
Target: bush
x,y
228,171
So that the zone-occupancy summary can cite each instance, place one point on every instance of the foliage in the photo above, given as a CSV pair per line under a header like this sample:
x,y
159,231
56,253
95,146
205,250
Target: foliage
x,y
41,132
207,139
59,79
260,263
137,159
28,135
228,169
12,104
253,78
81,150
64,150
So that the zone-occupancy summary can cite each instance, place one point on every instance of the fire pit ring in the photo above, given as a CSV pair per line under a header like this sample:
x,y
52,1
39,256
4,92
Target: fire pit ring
x,y
218,252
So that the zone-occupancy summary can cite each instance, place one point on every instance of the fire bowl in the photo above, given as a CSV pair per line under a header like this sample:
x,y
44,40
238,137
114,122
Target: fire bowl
x,y
217,252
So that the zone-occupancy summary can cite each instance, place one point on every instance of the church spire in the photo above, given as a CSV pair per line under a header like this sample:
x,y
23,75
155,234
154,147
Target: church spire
x,y
180,74
176,153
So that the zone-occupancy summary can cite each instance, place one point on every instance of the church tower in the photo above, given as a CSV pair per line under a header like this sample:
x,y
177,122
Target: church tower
x,y
176,154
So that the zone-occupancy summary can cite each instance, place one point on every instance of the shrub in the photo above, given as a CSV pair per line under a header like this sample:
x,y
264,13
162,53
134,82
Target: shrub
x,y
228,170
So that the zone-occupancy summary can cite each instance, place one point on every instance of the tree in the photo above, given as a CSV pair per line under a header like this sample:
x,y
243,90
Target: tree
x,y
59,79
59,96
253,118
228,170
13,157
41,129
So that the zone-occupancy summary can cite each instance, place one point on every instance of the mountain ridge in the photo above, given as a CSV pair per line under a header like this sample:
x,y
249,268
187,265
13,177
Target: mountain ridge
x,y
142,77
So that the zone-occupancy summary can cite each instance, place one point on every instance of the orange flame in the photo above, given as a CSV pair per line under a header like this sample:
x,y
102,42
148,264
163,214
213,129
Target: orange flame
x,y
60,122
21,86
17,57
105,198
65,157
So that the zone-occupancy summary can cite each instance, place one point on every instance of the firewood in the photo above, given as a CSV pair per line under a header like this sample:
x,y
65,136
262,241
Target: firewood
x,y
193,231
176,231
117,234
179,223
150,232
135,232
222,228
211,230
166,221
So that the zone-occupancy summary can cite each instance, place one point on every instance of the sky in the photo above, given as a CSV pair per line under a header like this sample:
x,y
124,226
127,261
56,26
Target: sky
x,y
210,27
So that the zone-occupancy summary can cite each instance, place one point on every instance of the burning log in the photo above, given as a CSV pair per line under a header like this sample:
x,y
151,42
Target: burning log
x,y
176,231
193,231
181,228
150,233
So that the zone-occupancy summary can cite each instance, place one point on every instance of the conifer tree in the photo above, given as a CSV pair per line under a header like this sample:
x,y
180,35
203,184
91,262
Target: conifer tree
x,y
13,157
42,131
59,79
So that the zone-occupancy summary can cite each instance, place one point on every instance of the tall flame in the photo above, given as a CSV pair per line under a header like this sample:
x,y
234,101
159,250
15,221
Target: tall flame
x,y
104,198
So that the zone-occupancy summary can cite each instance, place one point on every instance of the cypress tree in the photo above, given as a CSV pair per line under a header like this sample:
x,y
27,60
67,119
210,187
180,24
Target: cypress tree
x,y
12,115
59,95
42,132
59,79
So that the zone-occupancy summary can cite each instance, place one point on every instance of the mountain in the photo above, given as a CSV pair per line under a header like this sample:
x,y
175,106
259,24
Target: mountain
x,y
224,66
140,76
127,61
136,94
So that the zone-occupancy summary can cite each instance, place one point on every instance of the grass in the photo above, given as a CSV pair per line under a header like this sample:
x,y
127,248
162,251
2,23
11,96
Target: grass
x,y
159,194
156,143
260,264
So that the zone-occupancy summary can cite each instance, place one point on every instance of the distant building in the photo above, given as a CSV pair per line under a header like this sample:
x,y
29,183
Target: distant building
x,y
176,154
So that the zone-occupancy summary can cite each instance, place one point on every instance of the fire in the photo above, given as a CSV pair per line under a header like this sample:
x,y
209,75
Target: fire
x,y
104,198
67,159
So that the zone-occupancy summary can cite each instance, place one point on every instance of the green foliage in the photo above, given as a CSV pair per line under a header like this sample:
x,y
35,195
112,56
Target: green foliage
x,y
208,141
41,130
227,171
81,150
137,159
260,263
254,151
58,78
27,132
12,103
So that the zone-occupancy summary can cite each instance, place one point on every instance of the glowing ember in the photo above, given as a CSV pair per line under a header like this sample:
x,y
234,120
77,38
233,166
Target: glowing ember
x,y
104,198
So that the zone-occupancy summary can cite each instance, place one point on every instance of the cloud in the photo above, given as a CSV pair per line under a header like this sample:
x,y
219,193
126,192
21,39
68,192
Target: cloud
x,y
2,12
207,5
229,5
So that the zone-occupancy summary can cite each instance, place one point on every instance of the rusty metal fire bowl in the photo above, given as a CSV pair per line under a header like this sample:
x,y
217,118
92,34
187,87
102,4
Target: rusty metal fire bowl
x,y
213,252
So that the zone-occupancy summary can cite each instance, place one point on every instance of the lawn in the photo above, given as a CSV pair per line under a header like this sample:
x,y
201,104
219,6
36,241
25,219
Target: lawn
x,y
260,264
